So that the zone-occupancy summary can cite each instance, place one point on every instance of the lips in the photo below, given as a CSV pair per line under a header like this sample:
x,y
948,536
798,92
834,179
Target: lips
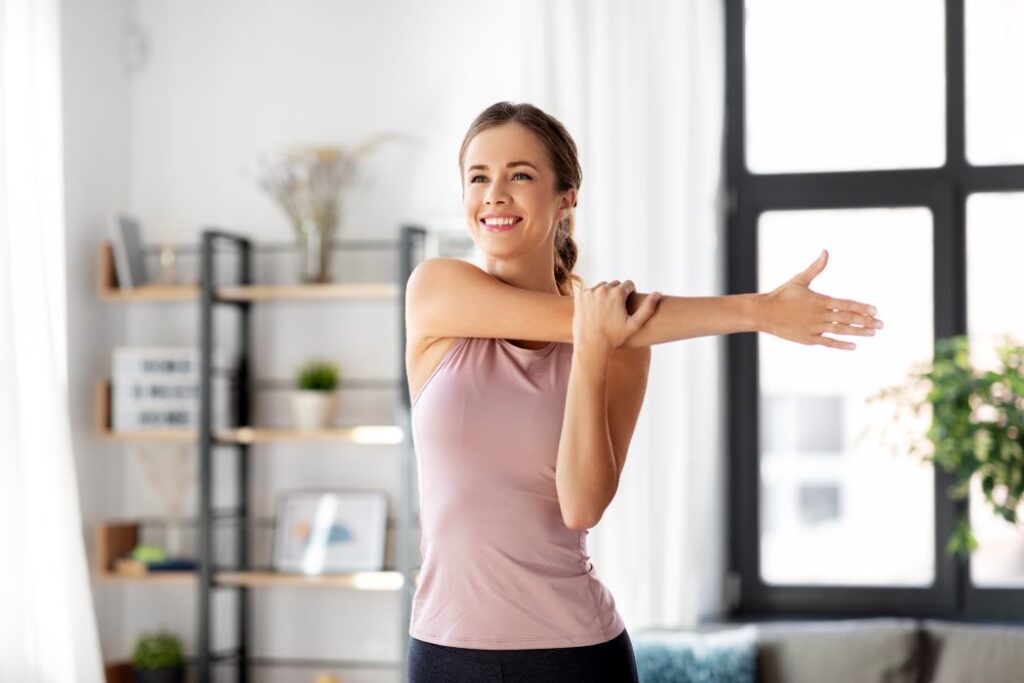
x,y
501,228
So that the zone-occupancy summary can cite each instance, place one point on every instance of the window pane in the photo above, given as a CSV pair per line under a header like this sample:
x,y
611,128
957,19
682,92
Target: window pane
x,y
846,86
839,507
994,53
995,241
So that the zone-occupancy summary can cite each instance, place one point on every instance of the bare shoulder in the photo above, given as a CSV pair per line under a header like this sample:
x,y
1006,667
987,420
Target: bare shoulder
x,y
453,298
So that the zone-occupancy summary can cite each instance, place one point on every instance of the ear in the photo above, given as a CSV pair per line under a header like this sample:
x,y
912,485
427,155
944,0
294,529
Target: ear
x,y
568,201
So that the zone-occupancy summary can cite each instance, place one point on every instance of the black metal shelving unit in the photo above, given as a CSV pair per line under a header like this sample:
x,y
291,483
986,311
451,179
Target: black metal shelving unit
x,y
410,249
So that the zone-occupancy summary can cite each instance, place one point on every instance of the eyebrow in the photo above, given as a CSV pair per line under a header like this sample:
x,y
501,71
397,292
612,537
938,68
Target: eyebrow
x,y
482,167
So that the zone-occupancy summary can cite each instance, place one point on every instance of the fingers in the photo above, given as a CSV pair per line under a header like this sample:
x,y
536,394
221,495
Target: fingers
x,y
835,343
848,305
848,317
812,271
840,328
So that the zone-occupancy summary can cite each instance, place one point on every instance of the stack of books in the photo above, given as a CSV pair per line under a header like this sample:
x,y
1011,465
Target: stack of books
x,y
157,387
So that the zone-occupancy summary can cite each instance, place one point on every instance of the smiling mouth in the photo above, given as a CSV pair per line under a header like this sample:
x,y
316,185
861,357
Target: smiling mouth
x,y
500,227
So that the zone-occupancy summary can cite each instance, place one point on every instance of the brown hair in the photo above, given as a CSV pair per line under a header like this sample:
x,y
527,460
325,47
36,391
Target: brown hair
x,y
563,159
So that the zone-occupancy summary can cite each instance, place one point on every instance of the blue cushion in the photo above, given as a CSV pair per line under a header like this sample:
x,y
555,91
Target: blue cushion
x,y
728,656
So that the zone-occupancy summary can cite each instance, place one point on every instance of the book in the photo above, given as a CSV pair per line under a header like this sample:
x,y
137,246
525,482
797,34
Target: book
x,y
129,260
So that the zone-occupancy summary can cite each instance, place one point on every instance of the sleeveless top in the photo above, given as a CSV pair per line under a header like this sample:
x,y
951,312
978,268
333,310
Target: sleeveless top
x,y
501,570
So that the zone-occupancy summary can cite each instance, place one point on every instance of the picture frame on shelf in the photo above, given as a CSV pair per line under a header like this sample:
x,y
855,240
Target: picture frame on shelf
x,y
329,531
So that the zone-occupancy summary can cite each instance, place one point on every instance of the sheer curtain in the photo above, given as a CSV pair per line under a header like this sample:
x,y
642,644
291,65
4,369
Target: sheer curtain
x,y
47,628
640,86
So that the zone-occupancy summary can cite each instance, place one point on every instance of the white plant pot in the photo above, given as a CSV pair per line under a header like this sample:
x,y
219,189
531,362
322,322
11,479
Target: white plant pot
x,y
312,409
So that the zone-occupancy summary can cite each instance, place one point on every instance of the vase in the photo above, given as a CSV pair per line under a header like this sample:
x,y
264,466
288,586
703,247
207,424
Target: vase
x,y
312,409
315,247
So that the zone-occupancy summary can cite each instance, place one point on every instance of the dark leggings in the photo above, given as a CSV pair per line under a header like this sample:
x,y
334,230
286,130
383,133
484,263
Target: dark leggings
x,y
611,661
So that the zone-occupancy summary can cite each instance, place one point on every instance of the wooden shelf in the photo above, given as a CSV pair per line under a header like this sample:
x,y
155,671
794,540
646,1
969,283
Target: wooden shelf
x,y
351,290
114,540
108,290
374,581
365,434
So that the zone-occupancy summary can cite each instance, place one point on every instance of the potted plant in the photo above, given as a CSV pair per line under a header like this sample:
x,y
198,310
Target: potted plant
x,y
975,426
314,397
158,658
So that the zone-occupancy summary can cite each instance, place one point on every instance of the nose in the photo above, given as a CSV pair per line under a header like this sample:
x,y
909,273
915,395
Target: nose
x,y
496,193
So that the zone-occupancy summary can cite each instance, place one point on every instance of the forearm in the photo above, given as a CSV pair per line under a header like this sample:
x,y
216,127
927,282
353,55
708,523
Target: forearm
x,y
685,317
586,476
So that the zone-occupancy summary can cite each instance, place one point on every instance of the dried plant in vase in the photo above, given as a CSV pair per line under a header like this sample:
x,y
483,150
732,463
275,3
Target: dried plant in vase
x,y
169,475
307,183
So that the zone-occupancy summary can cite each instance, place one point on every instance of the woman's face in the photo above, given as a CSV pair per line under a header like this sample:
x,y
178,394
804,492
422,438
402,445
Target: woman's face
x,y
506,174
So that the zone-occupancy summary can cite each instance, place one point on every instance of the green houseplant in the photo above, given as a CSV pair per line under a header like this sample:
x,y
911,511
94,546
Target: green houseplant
x,y
975,426
158,658
314,397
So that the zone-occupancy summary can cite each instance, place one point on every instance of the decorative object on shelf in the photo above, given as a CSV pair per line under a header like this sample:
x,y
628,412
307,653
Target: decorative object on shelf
x,y
129,260
307,182
975,426
157,387
321,532
168,265
158,658
314,398
170,475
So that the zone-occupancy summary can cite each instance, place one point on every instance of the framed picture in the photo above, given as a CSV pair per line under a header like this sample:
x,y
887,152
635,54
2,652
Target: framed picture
x,y
330,531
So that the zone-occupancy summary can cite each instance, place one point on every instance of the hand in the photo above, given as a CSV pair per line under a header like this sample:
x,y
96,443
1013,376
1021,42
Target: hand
x,y
794,312
600,321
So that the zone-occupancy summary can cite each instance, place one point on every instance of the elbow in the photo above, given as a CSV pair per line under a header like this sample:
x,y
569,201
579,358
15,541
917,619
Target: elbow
x,y
581,521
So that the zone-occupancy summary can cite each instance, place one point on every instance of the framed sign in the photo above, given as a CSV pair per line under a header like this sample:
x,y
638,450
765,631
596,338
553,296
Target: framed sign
x,y
330,531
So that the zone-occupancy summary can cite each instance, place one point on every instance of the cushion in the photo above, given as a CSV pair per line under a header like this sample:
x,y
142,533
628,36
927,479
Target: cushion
x,y
726,656
841,651
963,653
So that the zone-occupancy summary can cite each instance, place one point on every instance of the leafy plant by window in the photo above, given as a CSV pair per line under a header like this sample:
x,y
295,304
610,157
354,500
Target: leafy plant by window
x,y
318,375
976,426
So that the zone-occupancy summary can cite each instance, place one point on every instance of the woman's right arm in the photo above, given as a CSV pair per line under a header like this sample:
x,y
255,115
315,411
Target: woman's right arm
x,y
448,297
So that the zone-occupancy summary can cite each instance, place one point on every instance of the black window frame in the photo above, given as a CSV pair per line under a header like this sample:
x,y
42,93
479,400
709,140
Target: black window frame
x,y
944,190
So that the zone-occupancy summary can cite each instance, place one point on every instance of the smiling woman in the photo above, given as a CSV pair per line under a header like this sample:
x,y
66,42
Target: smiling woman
x,y
526,386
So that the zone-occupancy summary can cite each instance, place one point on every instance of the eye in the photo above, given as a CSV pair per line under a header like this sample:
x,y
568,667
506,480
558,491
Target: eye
x,y
525,175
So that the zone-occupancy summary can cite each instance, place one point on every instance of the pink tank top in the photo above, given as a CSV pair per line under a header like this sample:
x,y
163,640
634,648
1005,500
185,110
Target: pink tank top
x,y
501,570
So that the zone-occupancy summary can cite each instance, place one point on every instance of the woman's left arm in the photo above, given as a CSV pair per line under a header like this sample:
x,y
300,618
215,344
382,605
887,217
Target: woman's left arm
x,y
596,432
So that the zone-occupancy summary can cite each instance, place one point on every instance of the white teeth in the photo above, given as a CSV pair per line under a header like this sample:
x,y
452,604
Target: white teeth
x,y
499,221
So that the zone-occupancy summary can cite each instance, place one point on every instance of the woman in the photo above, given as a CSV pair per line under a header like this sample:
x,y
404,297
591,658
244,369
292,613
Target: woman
x,y
525,395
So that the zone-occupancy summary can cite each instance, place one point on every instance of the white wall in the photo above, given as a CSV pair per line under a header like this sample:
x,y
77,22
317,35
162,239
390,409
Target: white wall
x,y
95,99
171,141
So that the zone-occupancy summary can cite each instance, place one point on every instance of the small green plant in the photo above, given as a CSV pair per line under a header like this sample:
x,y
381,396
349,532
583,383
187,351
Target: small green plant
x,y
318,375
158,651
976,426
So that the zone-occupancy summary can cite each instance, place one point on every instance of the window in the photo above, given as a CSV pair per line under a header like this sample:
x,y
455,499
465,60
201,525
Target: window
x,y
888,134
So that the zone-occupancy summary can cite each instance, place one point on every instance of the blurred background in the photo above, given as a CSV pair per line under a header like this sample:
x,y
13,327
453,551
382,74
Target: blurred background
x,y
724,144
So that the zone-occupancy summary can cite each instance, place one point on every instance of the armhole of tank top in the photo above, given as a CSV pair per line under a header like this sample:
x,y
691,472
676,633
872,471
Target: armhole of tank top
x,y
448,355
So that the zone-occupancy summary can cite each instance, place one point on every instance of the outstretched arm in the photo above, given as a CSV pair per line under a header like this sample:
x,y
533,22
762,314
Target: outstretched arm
x,y
448,297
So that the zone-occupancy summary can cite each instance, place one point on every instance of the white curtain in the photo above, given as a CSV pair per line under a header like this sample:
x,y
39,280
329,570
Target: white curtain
x,y
47,628
640,86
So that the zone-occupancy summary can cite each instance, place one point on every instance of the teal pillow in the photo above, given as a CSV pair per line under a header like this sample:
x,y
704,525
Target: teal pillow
x,y
728,656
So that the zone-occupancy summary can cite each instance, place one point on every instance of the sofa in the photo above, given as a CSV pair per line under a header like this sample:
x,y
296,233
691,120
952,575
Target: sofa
x,y
881,650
